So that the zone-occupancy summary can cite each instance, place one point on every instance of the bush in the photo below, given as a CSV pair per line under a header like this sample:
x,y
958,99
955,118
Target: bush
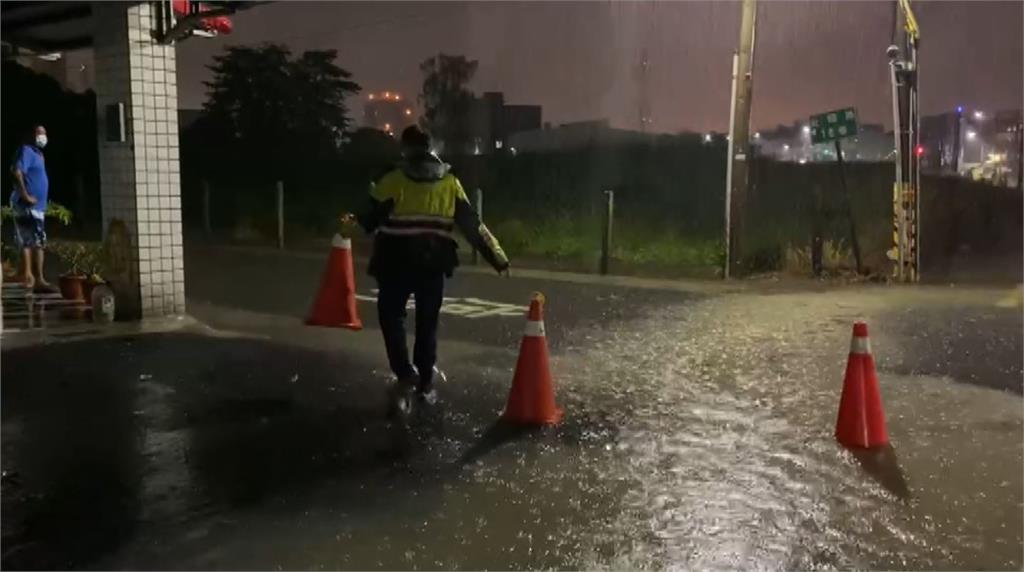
x,y
764,259
634,242
54,210
835,255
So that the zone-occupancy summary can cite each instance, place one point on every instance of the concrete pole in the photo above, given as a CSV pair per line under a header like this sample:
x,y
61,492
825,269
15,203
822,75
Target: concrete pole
x,y
739,136
606,238
728,171
280,215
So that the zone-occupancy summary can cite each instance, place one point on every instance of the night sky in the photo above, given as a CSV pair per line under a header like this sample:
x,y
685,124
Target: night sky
x,y
580,60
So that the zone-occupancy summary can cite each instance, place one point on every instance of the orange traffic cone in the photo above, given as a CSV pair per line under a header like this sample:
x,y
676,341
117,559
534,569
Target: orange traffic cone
x,y
532,398
861,421
335,304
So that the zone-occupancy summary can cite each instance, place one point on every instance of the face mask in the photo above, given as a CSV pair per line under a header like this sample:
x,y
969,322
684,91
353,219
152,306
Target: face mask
x,y
40,141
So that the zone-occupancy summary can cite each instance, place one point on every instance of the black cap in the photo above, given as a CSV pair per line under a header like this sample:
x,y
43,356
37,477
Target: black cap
x,y
415,138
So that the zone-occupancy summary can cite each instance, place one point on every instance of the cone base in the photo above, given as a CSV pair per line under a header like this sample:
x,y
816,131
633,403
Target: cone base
x,y
852,445
355,326
553,418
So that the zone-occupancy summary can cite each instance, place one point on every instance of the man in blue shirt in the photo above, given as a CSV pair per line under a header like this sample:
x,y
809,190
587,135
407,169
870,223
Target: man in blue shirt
x,y
28,203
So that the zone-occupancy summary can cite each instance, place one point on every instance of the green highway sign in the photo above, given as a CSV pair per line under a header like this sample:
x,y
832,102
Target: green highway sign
x,y
834,125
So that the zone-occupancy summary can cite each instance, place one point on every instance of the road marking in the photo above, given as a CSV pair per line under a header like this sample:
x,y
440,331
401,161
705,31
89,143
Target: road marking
x,y
1012,299
466,307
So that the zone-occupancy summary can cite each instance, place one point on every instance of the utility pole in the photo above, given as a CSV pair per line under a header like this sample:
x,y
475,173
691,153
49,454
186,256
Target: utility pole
x,y
903,69
957,141
739,140
1020,157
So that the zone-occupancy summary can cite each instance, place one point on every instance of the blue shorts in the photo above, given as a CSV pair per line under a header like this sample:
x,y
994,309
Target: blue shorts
x,y
29,228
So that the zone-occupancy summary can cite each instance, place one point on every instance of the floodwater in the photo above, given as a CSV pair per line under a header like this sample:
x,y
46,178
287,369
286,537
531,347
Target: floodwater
x,y
697,436
727,446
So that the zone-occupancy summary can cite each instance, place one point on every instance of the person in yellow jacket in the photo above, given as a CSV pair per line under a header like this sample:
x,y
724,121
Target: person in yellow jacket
x,y
413,212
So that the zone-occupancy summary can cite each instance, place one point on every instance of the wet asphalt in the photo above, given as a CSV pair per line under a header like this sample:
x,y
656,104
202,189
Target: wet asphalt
x,y
697,434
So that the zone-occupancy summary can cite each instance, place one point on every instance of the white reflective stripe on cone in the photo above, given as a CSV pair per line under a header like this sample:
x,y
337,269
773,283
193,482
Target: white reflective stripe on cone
x,y
341,242
860,345
534,329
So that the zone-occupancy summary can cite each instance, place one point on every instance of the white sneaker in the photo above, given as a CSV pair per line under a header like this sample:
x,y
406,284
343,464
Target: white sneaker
x,y
428,397
400,397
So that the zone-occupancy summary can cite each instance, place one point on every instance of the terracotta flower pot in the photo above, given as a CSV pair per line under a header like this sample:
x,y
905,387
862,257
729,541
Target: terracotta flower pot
x,y
9,273
72,287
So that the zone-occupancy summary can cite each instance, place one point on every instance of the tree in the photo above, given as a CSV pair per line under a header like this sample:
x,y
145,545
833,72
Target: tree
x,y
321,88
447,103
267,110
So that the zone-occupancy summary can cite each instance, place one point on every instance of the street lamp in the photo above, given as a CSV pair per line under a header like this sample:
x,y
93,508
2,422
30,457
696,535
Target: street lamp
x,y
707,138
807,129
971,135
979,115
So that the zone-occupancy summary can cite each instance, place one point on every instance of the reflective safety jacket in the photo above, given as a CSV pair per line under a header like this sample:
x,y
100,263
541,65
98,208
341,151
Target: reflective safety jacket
x,y
413,213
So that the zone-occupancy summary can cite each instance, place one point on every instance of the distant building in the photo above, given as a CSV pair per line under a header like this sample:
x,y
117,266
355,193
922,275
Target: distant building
x,y
872,143
388,111
493,122
792,143
581,134
988,148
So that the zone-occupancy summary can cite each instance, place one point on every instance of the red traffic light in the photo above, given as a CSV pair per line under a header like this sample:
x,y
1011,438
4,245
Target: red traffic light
x,y
919,150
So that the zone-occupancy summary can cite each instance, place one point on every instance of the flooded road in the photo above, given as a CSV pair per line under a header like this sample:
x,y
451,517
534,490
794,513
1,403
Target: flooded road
x,y
728,445
698,434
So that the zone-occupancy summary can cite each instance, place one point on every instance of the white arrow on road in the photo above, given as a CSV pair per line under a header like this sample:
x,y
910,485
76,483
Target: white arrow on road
x,y
465,307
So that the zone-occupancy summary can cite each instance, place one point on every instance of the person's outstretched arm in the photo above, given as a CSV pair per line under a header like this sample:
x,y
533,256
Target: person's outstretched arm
x,y
479,237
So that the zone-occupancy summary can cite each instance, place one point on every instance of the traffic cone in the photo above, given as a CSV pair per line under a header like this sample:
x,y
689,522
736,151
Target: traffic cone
x,y
861,421
335,304
531,400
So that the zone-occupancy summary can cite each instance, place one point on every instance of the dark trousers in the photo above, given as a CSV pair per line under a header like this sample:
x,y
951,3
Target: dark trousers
x,y
392,297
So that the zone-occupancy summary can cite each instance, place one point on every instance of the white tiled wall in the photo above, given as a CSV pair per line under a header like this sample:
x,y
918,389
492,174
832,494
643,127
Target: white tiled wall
x,y
141,177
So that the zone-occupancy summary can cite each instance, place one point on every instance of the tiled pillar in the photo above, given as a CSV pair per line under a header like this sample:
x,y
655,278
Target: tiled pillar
x,y
140,177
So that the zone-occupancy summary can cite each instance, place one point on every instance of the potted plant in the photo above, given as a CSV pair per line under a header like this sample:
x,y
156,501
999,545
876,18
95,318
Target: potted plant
x,y
93,265
75,256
